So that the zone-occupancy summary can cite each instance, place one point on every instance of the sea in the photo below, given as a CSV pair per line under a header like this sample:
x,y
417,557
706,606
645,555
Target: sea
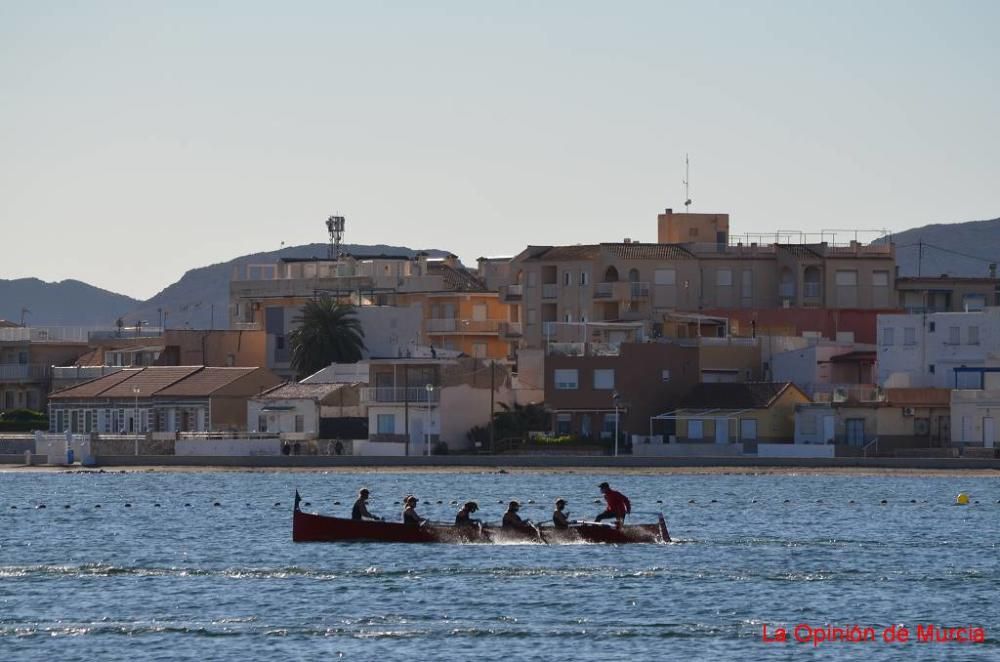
x,y
201,566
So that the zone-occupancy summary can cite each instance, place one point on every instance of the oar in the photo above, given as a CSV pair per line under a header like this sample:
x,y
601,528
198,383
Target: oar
x,y
538,530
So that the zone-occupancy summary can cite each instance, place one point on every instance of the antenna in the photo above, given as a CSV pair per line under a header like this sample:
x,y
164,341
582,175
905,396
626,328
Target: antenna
x,y
335,225
687,184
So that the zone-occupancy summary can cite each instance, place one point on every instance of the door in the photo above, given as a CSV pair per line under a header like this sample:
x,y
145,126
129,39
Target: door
x,y
748,429
856,431
989,432
828,430
967,429
722,430
479,312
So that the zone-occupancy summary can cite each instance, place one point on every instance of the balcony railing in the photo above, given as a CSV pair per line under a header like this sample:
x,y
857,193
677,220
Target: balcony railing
x,y
446,325
511,330
23,372
246,326
399,394
848,393
550,290
512,292
604,290
388,437
620,290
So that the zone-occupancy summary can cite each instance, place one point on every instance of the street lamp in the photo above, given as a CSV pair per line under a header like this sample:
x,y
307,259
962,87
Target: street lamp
x,y
135,418
427,432
616,399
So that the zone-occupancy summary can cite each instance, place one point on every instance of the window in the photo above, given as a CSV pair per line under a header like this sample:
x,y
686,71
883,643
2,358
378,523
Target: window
x,y
748,429
665,376
568,316
386,424
954,335
665,277
567,278
604,379
909,336
300,423
564,423
888,334
930,368
847,288
847,278
566,380
695,429
973,302
880,278
279,342
930,327
608,427
880,289
973,335
724,277
584,277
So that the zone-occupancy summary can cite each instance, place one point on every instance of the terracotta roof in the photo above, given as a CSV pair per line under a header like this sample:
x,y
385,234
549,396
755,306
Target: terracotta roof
x,y
637,251
915,397
204,382
149,381
95,387
296,391
726,395
563,253
456,279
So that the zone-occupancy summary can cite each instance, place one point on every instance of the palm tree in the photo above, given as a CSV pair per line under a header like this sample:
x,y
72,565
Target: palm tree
x,y
328,332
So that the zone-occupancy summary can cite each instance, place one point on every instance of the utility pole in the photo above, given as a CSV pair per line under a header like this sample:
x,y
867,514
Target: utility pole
x,y
493,380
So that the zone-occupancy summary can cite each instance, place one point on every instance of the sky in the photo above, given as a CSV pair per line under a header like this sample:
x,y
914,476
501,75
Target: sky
x,y
139,140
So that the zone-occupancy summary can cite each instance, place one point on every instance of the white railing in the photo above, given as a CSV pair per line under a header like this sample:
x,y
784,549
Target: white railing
x,y
23,371
512,291
83,371
604,290
462,326
848,393
399,394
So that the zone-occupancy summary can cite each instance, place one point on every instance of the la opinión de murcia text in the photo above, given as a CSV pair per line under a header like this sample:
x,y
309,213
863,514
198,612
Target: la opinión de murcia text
x,y
804,633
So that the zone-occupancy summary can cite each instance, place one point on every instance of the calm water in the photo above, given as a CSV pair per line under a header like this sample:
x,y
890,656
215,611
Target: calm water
x,y
226,582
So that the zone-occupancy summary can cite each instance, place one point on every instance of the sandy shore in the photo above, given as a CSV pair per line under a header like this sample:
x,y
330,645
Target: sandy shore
x,y
641,471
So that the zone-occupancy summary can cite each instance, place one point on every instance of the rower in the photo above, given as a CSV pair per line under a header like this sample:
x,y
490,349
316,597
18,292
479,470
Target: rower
x,y
463,518
618,505
511,520
410,515
560,518
360,509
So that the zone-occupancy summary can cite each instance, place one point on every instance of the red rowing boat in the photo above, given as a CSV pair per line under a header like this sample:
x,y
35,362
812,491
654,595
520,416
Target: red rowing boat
x,y
310,527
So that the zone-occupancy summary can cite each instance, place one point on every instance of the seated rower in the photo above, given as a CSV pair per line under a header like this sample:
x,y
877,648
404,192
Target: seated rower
x,y
360,509
463,518
511,520
410,515
560,518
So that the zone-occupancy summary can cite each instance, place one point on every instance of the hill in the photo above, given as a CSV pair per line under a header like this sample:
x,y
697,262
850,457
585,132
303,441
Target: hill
x,y
956,249
66,303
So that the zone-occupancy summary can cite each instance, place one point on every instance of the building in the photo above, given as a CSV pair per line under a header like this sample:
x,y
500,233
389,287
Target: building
x,y
726,413
316,410
414,404
947,294
632,281
27,355
929,350
975,408
824,366
159,399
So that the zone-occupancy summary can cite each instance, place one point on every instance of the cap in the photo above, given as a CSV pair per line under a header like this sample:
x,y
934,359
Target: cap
x,y
604,486
561,502
412,499
472,505
514,504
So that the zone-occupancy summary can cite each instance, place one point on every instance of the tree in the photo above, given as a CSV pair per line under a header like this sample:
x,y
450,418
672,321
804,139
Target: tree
x,y
328,332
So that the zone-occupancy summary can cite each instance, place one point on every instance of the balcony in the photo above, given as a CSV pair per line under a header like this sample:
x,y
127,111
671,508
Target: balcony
x,y
460,326
511,292
511,330
23,372
399,394
848,393
550,290
621,290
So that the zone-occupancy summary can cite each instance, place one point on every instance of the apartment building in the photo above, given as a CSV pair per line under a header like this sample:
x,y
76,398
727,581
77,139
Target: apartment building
x,y
632,281
27,355
947,294
402,302
937,349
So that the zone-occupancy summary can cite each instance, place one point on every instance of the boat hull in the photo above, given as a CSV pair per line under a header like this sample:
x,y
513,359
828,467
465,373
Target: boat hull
x,y
309,527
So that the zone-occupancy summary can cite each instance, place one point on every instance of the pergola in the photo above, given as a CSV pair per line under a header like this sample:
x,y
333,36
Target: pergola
x,y
677,414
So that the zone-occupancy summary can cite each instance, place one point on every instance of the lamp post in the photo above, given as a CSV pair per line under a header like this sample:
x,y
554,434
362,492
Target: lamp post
x,y
135,418
427,432
615,398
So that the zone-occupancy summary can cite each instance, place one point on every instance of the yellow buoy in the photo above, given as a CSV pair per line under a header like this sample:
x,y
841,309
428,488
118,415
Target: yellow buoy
x,y
962,499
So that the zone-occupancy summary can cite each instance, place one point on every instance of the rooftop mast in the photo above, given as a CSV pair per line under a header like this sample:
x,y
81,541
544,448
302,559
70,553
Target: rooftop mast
x,y
335,225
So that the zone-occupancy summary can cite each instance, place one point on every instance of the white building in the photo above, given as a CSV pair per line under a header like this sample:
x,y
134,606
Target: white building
x,y
825,365
975,410
925,350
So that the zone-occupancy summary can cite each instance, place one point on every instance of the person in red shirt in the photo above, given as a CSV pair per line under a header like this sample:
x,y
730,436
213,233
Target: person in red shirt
x,y
618,505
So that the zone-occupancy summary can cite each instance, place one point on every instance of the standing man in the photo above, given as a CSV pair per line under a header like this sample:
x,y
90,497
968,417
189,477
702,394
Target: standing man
x,y
618,505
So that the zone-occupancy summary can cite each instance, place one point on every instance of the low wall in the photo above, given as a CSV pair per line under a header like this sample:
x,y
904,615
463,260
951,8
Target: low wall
x,y
687,450
227,447
796,450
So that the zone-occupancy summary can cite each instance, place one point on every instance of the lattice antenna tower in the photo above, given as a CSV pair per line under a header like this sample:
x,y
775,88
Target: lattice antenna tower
x,y
335,226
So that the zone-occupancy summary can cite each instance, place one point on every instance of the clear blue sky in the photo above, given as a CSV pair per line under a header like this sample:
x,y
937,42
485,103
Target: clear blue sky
x,y
141,139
